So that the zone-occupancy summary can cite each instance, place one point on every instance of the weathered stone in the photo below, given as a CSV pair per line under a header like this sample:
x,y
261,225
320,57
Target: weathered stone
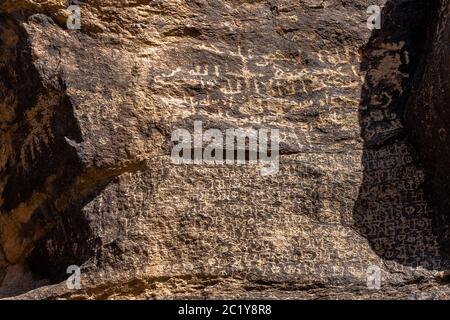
x,y
427,118
86,177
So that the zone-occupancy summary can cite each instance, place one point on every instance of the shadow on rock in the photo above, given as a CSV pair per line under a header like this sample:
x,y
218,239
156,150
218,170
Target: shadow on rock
x,y
392,210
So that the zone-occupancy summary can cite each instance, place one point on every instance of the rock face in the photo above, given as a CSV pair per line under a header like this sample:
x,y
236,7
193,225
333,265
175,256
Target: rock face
x,y
427,119
87,177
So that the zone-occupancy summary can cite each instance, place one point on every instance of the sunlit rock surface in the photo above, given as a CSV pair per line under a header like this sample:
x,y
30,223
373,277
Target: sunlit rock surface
x,y
86,176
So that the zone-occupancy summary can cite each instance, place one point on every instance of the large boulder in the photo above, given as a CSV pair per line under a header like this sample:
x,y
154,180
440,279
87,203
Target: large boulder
x,y
87,176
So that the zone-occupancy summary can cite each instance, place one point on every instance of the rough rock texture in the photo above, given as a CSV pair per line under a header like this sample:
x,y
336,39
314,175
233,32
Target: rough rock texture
x,y
427,118
86,178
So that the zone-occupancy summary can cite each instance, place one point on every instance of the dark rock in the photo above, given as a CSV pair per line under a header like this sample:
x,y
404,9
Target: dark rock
x,y
86,177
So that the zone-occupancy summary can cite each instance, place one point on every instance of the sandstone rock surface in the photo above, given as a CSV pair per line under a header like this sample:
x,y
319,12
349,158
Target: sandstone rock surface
x,y
86,176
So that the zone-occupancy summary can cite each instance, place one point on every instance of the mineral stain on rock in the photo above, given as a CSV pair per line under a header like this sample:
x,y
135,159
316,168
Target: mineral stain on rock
x,y
86,176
